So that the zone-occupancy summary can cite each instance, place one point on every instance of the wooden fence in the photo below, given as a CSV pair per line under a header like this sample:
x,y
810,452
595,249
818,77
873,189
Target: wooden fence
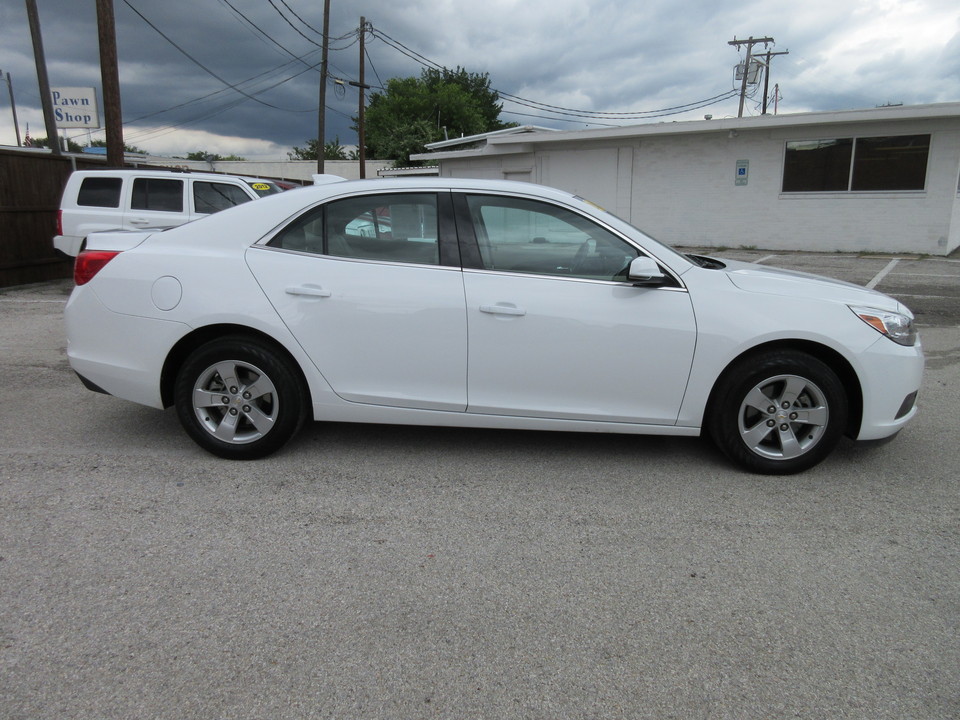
x,y
31,182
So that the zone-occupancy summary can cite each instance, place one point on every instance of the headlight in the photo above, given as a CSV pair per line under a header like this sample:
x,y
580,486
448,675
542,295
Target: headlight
x,y
896,326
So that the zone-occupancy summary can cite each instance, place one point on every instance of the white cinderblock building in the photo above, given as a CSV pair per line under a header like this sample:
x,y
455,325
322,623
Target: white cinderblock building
x,y
886,179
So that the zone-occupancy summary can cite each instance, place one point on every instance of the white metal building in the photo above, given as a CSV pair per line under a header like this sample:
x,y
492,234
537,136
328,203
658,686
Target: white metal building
x,y
885,179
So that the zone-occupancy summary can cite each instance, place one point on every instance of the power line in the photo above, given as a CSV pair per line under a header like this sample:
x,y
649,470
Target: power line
x,y
205,68
634,115
555,109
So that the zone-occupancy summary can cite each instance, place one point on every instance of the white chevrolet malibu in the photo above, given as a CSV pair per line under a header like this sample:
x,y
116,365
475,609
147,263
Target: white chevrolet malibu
x,y
480,304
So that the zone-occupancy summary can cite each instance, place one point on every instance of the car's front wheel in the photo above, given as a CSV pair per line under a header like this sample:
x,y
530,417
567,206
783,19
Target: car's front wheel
x,y
239,398
779,412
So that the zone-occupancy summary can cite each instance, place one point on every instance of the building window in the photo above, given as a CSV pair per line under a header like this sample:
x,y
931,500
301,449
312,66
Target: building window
x,y
858,164
817,165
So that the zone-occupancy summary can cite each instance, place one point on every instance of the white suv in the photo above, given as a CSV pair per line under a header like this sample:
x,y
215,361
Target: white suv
x,y
95,200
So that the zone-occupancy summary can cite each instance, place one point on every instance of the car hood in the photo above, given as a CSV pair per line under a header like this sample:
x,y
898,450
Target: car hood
x,y
775,281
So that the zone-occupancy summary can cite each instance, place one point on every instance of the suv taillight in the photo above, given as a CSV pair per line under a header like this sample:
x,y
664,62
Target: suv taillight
x,y
59,222
89,263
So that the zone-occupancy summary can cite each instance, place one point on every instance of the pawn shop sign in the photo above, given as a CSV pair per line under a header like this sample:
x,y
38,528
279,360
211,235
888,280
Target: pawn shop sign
x,y
75,107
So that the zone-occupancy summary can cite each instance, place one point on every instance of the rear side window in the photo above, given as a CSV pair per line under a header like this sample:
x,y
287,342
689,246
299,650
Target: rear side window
x,y
391,228
157,194
209,197
100,192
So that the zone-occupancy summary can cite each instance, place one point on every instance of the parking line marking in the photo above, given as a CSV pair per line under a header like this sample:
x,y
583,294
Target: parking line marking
x,y
882,274
928,275
21,300
927,297
763,259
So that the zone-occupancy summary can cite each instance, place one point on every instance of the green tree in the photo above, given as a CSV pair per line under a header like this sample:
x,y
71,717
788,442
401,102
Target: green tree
x,y
126,148
412,112
42,142
332,150
204,156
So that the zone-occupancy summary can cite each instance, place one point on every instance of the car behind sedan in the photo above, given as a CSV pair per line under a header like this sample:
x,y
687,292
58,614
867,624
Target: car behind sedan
x,y
482,304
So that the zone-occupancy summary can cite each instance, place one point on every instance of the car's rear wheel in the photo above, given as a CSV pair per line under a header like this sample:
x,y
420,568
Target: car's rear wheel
x,y
779,412
239,398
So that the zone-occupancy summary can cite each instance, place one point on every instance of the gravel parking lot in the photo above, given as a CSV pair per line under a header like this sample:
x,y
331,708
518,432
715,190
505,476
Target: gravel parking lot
x,y
394,572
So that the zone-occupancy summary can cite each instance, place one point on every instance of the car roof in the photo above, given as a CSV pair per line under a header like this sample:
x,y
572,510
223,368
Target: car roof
x,y
162,173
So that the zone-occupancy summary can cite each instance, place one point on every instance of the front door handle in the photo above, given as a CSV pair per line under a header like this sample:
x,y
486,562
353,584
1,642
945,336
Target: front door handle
x,y
309,291
502,309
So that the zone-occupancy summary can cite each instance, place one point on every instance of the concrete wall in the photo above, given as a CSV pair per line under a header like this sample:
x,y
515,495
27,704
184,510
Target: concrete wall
x,y
681,188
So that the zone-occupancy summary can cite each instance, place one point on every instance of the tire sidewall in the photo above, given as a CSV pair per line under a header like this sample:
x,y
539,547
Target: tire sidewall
x,y
290,395
723,421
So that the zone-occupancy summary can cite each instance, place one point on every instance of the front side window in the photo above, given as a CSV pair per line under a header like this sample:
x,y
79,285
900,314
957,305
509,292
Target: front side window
x,y
210,197
157,194
100,192
398,227
887,163
526,236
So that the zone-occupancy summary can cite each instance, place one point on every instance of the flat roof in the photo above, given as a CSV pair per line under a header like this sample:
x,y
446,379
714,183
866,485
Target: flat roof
x,y
535,136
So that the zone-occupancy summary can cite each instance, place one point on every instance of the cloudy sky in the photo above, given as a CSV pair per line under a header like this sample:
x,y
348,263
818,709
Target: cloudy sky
x,y
179,59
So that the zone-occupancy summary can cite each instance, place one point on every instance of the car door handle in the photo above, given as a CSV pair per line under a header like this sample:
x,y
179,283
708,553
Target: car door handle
x,y
309,291
502,310
139,221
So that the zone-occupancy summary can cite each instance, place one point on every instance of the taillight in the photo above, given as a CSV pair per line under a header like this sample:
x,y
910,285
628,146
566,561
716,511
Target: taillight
x,y
89,263
59,222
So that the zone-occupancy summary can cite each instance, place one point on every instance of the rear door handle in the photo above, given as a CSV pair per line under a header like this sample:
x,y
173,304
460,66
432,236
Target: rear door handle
x,y
502,309
309,291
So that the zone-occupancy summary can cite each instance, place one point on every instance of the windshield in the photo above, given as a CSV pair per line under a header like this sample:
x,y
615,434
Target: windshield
x,y
264,187
650,240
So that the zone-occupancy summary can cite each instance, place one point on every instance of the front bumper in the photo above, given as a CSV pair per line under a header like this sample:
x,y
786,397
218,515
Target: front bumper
x,y
890,377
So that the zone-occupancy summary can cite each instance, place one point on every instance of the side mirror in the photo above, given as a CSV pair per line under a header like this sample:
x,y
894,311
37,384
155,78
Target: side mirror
x,y
644,271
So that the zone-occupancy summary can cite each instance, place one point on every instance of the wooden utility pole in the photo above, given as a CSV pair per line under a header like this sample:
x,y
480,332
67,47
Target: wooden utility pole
x,y
766,77
321,111
46,100
361,132
750,42
13,106
110,79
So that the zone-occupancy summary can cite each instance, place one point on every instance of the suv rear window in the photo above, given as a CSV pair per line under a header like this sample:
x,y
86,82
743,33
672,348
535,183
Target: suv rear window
x,y
100,192
157,194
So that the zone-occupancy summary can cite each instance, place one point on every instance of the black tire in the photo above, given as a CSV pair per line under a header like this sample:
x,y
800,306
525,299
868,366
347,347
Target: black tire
x,y
779,412
239,398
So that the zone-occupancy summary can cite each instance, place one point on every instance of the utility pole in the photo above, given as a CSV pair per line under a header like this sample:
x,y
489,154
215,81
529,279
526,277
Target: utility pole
x,y
46,100
13,106
361,132
321,111
750,42
766,77
110,79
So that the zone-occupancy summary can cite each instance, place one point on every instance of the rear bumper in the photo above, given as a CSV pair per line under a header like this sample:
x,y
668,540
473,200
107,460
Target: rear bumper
x,y
117,354
68,245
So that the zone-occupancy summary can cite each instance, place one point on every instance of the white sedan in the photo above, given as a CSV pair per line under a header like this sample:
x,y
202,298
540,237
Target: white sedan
x,y
484,304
